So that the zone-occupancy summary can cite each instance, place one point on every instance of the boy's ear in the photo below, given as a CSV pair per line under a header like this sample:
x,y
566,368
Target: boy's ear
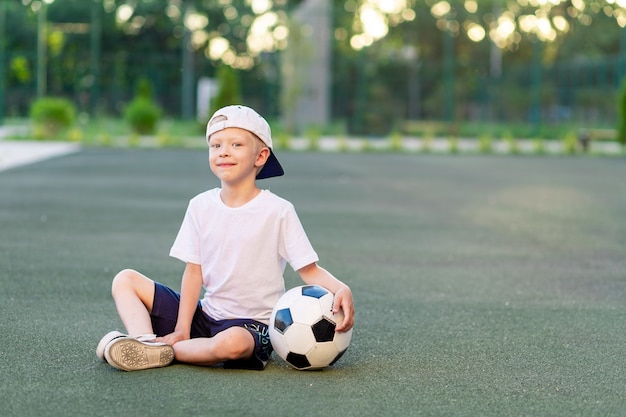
x,y
261,158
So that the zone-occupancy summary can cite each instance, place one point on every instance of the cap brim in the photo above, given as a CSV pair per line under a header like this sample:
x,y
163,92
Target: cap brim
x,y
272,168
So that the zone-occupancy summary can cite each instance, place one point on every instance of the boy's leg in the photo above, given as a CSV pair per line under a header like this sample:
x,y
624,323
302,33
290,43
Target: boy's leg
x,y
231,344
134,294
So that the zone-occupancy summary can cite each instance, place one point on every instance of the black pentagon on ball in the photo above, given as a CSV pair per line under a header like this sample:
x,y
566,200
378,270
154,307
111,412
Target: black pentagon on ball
x,y
298,361
282,320
324,330
314,291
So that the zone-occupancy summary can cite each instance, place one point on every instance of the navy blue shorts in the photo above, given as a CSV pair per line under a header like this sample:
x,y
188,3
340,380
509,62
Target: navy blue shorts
x,y
165,313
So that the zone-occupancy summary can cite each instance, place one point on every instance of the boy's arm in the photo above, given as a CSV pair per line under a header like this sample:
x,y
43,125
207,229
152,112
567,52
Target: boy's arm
x,y
190,289
314,274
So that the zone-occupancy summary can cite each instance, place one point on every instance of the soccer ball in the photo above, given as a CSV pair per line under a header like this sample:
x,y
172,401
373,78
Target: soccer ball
x,y
302,328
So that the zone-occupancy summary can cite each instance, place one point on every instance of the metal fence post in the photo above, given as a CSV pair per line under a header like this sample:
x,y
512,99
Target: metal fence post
x,y
96,34
535,87
42,39
448,70
187,68
2,58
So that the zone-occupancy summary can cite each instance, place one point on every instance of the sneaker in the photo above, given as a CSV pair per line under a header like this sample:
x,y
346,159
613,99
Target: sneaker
x,y
131,354
108,338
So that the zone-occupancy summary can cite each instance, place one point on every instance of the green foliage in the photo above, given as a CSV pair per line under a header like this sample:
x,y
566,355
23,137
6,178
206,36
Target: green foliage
x,y
511,143
453,144
164,139
144,89
586,52
104,139
75,135
50,115
427,144
374,119
396,142
142,115
485,144
282,140
570,144
621,116
313,134
366,145
280,137
342,143
539,146
20,69
134,140
228,91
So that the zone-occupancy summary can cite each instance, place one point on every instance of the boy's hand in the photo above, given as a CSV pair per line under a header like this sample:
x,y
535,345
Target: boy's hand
x,y
173,338
313,274
343,302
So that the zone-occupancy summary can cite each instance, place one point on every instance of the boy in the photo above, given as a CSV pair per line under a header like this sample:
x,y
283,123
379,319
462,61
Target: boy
x,y
235,241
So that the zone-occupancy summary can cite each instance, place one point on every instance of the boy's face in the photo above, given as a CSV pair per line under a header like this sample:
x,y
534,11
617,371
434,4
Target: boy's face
x,y
235,155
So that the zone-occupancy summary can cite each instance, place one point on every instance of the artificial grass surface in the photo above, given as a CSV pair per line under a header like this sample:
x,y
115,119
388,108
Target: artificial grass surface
x,y
484,286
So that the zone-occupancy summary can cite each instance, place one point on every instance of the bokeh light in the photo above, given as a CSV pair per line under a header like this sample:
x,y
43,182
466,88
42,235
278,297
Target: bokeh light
x,y
265,27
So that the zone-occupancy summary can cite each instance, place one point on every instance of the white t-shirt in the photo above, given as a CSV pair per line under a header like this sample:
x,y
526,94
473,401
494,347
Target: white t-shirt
x,y
243,252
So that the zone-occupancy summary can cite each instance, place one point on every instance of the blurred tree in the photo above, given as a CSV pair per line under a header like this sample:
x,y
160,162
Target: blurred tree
x,y
228,92
398,38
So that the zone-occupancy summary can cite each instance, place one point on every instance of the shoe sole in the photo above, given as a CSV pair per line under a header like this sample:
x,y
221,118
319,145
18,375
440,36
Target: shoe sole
x,y
129,354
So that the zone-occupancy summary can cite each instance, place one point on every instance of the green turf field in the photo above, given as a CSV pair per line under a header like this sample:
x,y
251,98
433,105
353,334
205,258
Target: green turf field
x,y
484,286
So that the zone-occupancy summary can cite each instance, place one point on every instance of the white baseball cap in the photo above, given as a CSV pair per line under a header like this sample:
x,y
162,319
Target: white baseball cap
x,y
245,118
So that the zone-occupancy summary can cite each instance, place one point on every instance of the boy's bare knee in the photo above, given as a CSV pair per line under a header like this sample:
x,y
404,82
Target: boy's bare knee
x,y
123,280
130,283
237,351
239,345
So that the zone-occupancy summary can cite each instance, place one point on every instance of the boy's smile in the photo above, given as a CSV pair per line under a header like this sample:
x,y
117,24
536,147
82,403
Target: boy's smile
x,y
225,164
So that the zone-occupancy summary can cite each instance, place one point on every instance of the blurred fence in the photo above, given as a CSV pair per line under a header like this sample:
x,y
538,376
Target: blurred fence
x,y
367,97
583,93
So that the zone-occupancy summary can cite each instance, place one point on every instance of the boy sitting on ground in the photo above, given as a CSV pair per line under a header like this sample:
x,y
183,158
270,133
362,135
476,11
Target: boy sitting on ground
x,y
235,241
